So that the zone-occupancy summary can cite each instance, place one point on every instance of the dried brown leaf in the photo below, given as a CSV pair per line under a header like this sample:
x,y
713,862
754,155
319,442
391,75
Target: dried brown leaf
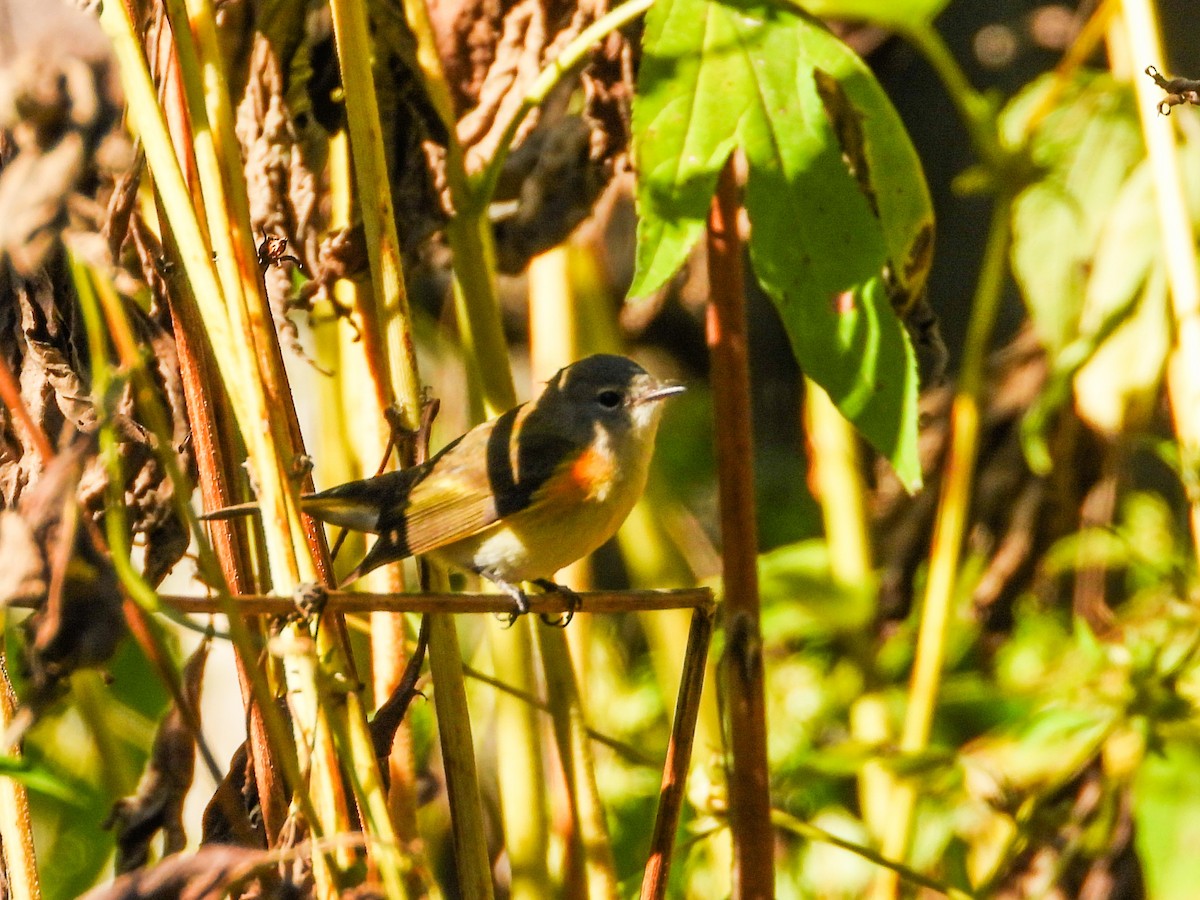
x,y
158,803
557,184
236,796
77,621
208,874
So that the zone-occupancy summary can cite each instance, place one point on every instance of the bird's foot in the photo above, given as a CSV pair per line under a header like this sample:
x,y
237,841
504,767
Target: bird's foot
x,y
514,591
572,599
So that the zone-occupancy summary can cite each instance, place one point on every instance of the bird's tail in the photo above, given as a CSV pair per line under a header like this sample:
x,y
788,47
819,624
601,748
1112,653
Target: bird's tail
x,y
385,550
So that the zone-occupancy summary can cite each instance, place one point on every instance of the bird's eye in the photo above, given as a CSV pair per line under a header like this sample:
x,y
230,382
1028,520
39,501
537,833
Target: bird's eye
x,y
609,399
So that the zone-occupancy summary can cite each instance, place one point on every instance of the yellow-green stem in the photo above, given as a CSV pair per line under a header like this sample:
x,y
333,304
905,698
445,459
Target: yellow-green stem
x,y
225,198
355,439
241,291
16,826
354,43
837,481
1179,249
236,362
91,286
949,526
484,183
477,309
575,750
350,27
458,751
977,111
522,775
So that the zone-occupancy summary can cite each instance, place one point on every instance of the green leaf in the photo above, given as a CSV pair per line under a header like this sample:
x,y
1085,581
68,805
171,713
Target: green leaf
x,y
1040,754
1167,825
896,13
1086,144
40,777
801,600
835,193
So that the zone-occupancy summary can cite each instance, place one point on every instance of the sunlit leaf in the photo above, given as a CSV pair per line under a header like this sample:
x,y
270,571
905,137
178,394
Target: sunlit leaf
x,y
1040,754
879,12
1118,388
1087,140
835,194
41,778
1167,824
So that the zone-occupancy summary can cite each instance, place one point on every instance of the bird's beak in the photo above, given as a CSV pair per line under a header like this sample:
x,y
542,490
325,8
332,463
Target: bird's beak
x,y
660,393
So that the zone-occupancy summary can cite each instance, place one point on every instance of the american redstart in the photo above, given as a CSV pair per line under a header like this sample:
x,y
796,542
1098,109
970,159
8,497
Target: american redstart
x,y
521,496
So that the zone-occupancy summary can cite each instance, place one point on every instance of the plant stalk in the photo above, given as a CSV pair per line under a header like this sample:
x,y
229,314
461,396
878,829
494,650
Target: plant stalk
x,y
679,757
1179,251
948,532
579,767
742,662
16,827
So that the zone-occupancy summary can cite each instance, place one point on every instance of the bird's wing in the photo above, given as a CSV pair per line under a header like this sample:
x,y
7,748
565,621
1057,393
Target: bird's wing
x,y
449,507
489,476
419,508
483,477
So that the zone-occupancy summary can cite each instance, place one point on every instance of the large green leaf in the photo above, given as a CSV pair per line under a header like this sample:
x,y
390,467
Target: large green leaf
x,y
835,193
895,13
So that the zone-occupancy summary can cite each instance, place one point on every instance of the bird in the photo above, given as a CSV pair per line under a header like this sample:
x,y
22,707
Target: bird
x,y
520,496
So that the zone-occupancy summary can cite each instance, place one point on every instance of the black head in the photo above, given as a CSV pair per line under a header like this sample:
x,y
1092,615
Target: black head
x,y
607,387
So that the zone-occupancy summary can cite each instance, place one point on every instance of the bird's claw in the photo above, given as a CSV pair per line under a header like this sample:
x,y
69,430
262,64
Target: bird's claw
x,y
522,603
518,597
521,600
572,600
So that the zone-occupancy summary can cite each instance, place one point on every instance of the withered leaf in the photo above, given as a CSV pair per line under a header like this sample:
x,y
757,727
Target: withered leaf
x,y
208,874
77,620
158,803
556,184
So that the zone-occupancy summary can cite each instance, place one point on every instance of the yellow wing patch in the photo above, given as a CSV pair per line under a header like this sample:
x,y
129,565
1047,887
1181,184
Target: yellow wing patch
x,y
446,508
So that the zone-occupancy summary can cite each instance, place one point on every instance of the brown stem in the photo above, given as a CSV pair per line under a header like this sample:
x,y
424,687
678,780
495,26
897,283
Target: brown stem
x,y
679,757
539,604
217,456
16,833
215,447
741,664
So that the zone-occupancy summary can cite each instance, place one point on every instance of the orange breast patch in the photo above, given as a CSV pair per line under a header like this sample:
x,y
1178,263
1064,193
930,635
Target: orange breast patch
x,y
592,470
585,477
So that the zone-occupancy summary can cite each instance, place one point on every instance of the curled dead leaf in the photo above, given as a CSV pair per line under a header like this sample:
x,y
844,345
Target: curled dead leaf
x,y
158,803
208,874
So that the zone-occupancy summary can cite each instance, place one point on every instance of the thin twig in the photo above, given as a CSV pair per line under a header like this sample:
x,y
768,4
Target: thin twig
x,y
812,833
679,757
627,751
949,526
449,602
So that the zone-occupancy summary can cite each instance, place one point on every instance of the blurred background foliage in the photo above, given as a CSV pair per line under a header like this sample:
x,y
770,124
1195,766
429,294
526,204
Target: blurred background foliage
x,y
1064,756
